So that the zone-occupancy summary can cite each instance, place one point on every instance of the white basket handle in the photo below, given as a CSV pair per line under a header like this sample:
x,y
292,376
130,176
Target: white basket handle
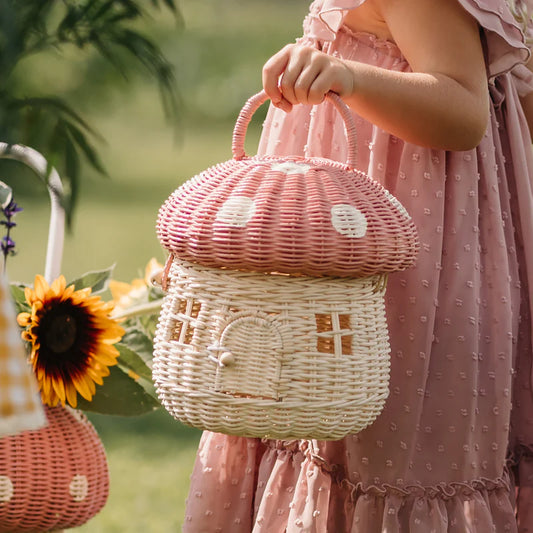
x,y
56,231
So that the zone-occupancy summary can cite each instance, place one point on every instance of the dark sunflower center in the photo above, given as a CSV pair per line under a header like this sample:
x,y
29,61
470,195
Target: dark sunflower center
x,y
61,332
66,337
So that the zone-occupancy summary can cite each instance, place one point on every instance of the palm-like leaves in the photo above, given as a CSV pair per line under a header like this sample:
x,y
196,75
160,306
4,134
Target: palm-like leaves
x,y
29,27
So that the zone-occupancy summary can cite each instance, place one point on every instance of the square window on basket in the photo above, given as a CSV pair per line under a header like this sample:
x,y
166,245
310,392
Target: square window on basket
x,y
274,320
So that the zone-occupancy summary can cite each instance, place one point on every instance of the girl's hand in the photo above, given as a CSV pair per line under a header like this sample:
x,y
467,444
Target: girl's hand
x,y
443,100
303,75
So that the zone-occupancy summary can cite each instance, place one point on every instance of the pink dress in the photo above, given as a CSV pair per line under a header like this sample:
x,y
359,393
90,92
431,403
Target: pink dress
x,y
453,449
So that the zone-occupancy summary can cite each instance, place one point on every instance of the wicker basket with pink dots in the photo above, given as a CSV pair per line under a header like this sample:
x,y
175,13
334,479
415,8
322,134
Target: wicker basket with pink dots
x,y
274,321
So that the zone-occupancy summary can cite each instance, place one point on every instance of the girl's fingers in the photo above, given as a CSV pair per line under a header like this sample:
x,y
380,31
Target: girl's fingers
x,y
303,87
272,71
300,75
284,105
337,77
318,89
290,76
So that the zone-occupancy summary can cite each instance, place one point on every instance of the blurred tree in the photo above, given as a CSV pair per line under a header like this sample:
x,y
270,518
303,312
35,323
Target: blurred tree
x,y
49,123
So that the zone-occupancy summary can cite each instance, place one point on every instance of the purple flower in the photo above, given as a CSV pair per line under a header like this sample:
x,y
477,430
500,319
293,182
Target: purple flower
x,y
8,223
11,209
7,244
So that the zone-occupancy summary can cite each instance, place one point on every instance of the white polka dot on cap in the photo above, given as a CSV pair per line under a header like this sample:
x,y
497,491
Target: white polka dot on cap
x,y
236,211
349,221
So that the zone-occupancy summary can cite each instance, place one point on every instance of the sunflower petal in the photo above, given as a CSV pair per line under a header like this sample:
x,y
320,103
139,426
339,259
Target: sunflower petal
x,y
45,383
119,289
153,266
90,383
27,336
103,370
83,388
112,338
40,287
67,294
97,376
52,400
24,319
29,295
72,395
48,394
58,286
59,388
106,355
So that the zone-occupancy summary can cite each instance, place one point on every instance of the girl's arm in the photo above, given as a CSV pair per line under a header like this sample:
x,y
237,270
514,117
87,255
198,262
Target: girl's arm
x,y
443,103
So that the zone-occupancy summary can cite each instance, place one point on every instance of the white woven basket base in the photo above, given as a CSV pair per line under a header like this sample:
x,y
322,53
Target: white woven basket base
x,y
276,356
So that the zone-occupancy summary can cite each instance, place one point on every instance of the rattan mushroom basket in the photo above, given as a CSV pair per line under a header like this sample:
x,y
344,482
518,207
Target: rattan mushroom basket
x,y
274,321
52,478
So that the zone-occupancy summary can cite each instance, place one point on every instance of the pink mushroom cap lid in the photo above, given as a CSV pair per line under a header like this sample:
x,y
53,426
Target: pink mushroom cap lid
x,y
295,215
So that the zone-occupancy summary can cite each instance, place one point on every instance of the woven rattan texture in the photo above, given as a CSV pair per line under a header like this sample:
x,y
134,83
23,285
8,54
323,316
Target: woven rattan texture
x,y
275,356
53,478
297,215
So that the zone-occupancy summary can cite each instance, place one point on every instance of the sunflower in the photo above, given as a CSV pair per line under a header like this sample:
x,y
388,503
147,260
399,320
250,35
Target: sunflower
x,y
71,337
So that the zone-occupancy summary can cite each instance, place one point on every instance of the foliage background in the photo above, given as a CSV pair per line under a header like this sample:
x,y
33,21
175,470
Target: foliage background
x,y
218,54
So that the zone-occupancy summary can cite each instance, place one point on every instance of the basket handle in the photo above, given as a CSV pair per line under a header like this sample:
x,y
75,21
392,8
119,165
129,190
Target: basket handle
x,y
56,232
254,102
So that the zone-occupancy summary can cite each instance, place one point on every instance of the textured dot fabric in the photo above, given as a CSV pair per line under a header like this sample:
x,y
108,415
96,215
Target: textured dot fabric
x,y
20,404
453,449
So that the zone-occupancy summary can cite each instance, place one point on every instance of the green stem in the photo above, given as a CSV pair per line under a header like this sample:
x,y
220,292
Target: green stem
x,y
139,310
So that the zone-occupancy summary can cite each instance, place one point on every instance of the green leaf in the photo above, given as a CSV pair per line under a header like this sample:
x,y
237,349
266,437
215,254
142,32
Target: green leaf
x,y
140,343
17,293
35,27
131,360
88,149
97,280
119,395
58,107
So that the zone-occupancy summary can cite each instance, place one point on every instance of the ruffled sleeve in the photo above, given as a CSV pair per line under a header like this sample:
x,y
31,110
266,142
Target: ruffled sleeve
x,y
326,17
505,42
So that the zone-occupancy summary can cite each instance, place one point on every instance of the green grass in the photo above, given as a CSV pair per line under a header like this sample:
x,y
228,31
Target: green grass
x,y
150,459
218,57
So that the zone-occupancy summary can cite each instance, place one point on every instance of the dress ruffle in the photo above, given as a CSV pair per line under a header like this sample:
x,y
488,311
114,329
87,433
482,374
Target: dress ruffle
x,y
292,489
371,509
505,41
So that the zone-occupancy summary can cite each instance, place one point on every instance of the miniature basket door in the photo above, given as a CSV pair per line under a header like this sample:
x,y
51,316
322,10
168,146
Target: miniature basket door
x,y
55,477
274,323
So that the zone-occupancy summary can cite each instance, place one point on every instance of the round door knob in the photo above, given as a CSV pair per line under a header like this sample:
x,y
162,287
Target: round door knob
x,y
226,358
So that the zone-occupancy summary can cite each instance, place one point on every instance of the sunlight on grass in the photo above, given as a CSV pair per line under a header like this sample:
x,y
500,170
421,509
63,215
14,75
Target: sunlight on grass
x,y
150,479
